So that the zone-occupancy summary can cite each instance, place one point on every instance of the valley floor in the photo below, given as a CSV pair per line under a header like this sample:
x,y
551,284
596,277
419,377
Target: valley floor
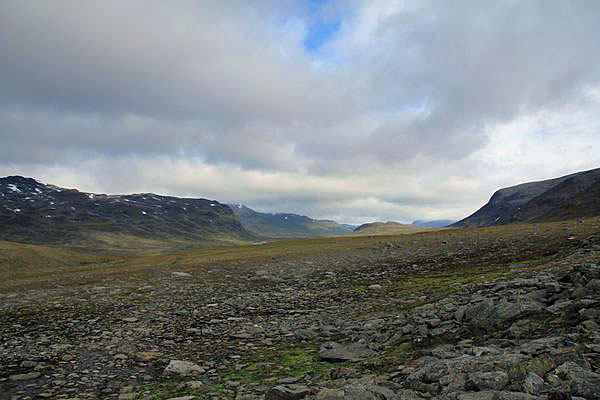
x,y
509,312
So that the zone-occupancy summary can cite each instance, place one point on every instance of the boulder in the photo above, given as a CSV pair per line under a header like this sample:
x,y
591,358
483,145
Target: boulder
x,y
25,377
533,384
180,275
339,353
184,368
493,380
287,392
584,383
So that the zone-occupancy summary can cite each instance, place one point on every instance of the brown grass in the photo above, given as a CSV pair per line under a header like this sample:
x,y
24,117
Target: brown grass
x,y
24,266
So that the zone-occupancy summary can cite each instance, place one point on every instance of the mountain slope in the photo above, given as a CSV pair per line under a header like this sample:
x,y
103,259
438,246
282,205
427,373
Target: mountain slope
x,y
33,212
285,224
571,196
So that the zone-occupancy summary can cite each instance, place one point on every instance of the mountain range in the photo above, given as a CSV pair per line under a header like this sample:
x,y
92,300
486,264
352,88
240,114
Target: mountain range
x,y
33,212
282,225
572,196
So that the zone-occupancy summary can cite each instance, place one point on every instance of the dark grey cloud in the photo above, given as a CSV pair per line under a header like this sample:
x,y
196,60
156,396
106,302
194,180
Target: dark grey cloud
x,y
400,114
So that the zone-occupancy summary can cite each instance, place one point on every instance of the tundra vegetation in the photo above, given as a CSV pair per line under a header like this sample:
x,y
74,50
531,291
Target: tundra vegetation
x,y
504,312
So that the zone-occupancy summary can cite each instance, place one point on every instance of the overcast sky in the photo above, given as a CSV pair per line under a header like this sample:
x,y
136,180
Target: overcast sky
x,y
351,110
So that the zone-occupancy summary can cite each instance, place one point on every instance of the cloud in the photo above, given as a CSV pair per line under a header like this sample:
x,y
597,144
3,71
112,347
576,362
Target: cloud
x,y
401,109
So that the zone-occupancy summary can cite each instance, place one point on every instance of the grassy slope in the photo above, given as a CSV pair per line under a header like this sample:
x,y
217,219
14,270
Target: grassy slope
x,y
21,262
25,266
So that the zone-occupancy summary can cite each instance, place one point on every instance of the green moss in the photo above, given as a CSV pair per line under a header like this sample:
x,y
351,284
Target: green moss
x,y
274,364
169,389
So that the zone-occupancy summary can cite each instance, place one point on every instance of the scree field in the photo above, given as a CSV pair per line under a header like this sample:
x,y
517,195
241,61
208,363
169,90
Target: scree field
x,y
454,312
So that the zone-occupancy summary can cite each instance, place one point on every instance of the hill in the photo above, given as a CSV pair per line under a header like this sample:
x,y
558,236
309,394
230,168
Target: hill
x,y
389,228
286,225
33,212
437,222
571,196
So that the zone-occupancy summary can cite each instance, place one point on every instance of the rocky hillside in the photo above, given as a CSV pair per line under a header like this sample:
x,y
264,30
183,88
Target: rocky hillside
x,y
285,224
572,196
33,212
510,313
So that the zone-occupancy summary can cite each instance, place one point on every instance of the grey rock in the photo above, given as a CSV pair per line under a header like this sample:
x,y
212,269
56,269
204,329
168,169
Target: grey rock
x,y
485,395
287,392
444,351
406,395
493,380
28,364
477,312
540,295
180,275
542,345
517,309
518,265
330,394
496,395
559,305
584,383
305,334
479,351
486,316
359,392
520,328
178,367
590,325
433,322
460,314
25,377
515,396
533,384
289,379
338,353
381,391
593,285
183,398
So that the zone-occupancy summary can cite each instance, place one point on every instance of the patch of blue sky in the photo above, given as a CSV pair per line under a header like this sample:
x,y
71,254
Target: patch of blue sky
x,y
321,27
319,32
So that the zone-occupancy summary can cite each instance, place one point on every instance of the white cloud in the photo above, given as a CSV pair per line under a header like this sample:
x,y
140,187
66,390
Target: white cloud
x,y
413,110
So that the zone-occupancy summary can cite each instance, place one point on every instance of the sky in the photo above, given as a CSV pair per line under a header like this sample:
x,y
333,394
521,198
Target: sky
x,y
350,110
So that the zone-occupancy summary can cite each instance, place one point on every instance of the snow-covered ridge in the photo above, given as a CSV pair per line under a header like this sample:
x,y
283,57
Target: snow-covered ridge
x,y
28,207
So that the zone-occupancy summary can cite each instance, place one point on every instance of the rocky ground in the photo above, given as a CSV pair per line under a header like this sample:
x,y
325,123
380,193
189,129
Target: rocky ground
x,y
500,313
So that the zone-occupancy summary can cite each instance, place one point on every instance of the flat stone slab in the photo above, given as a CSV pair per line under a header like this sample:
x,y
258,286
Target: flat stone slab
x,y
180,275
25,377
339,353
287,392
